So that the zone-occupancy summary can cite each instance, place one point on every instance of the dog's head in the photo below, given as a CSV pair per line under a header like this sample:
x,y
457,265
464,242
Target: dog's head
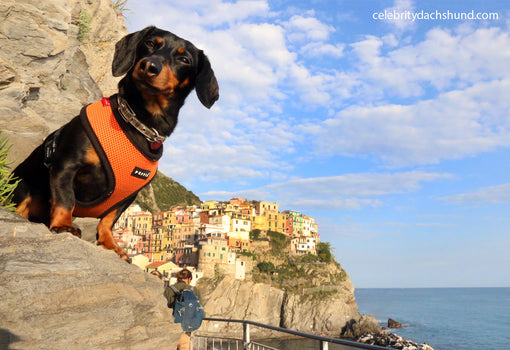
x,y
163,65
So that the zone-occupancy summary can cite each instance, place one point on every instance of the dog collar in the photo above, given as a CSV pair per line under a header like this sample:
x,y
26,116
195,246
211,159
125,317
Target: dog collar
x,y
129,116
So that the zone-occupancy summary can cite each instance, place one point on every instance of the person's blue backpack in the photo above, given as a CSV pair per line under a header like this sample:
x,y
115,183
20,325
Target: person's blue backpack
x,y
187,309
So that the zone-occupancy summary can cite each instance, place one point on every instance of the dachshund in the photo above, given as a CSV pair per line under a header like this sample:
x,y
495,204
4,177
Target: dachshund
x,y
95,165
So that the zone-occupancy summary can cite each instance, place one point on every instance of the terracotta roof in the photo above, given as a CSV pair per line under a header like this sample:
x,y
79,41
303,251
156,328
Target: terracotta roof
x,y
158,263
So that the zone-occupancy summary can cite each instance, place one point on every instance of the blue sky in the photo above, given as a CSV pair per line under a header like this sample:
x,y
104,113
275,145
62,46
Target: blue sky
x,y
394,134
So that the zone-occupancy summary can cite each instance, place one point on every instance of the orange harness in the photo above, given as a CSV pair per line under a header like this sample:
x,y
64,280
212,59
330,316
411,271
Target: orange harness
x,y
131,169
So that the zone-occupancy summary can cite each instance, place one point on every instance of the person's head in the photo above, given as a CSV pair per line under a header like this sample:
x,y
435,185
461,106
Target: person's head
x,y
185,276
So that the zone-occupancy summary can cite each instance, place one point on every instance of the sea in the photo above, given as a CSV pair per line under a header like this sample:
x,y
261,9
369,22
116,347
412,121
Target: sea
x,y
444,318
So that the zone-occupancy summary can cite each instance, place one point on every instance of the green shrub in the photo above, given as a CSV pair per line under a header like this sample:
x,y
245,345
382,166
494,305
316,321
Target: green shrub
x,y
84,26
279,242
324,252
310,258
248,254
7,181
119,6
266,267
255,234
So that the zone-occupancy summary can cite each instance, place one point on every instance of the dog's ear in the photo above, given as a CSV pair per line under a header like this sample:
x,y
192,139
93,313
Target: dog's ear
x,y
206,84
125,51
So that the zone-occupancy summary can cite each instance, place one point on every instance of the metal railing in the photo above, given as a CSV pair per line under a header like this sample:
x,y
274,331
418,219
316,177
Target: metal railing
x,y
205,342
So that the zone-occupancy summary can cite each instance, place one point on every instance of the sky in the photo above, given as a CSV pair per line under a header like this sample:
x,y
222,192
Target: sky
x,y
386,121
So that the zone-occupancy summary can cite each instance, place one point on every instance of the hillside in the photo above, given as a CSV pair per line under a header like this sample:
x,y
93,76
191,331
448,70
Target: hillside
x,y
163,193
300,293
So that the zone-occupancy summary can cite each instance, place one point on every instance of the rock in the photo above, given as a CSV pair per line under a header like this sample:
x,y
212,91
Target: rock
x,y
60,292
361,325
394,324
242,300
319,315
46,73
309,311
392,341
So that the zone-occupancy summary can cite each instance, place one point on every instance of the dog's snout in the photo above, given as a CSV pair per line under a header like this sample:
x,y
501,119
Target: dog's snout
x,y
151,67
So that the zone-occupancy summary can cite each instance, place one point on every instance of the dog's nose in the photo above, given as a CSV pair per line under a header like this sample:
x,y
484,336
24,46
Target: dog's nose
x,y
151,67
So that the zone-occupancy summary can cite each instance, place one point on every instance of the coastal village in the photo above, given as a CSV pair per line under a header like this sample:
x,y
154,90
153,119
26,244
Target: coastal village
x,y
217,236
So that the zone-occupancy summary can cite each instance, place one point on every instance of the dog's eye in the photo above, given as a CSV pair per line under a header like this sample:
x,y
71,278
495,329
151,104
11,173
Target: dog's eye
x,y
150,43
184,59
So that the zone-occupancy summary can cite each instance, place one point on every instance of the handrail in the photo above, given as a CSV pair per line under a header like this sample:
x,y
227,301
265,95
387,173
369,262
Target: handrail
x,y
301,334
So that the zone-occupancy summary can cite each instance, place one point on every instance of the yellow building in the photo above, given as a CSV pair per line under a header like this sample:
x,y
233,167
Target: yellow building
x,y
281,223
142,222
271,221
266,207
258,223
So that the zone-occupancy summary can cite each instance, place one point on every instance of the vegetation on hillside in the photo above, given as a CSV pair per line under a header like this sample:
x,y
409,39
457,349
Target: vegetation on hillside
x,y
319,274
278,241
167,193
84,26
7,182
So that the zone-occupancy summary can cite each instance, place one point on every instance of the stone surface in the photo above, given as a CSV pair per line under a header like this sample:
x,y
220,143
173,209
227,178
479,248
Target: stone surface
x,y
242,300
394,324
392,341
60,292
46,74
325,315
361,325
259,302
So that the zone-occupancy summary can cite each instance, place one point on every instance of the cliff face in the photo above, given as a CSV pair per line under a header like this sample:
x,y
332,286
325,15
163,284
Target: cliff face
x,y
241,300
325,309
46,73
60,292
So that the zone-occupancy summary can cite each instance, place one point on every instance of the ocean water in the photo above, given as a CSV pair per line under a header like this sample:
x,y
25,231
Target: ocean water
x,y
445,318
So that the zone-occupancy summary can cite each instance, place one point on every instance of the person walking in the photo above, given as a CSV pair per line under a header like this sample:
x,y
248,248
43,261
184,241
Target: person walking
x,y
184,278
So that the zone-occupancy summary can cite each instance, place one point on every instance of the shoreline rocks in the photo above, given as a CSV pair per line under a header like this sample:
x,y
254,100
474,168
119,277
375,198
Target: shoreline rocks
x,y
394,324
392,341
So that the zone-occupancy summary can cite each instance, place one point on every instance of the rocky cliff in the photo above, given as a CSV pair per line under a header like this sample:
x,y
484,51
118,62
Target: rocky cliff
x,y
60,292
46,73
329,308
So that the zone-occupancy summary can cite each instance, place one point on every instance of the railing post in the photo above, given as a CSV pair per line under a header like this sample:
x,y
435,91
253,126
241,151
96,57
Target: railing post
x,y
246,336
324,345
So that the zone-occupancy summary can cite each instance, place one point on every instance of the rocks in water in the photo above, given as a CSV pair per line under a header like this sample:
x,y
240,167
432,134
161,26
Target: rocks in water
x,y
365,324
392,341
394,324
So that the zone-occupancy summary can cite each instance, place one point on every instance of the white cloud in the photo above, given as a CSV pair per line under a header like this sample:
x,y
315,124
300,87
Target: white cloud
x,y
454,83
401,22
319,49
301,28
456,124
351,191
492,194
445,60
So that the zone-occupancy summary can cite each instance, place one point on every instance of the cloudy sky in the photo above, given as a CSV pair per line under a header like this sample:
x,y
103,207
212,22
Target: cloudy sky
x,y
393,133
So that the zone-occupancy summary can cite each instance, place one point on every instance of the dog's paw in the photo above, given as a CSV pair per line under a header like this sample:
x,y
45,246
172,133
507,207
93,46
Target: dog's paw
x,y
72,230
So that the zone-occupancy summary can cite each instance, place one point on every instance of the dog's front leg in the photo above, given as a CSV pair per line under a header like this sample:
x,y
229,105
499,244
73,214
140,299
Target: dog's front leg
x,y
105,234
62,200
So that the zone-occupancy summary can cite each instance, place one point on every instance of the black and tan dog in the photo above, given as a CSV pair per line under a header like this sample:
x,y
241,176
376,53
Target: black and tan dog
x,y
95,165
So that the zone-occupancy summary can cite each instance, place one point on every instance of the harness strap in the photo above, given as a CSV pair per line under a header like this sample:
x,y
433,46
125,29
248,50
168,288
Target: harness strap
x,y
50,147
